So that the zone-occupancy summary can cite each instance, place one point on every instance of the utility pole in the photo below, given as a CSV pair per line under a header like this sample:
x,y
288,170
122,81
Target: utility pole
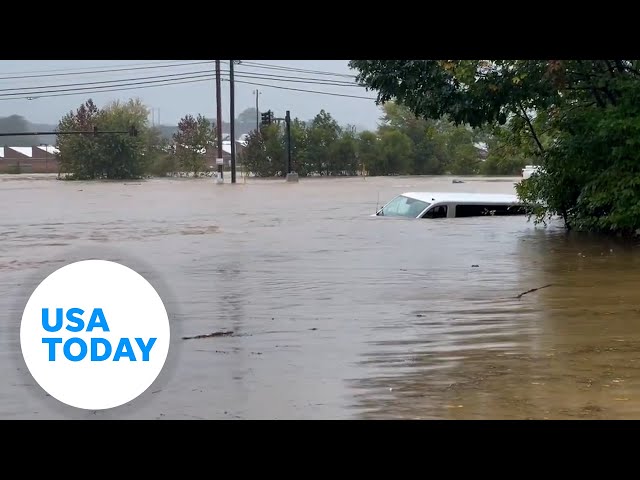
x,y
232,115
219,160
257,93
287,119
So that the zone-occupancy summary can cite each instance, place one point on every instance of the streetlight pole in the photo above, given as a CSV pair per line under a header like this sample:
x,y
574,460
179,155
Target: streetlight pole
x,y
257,93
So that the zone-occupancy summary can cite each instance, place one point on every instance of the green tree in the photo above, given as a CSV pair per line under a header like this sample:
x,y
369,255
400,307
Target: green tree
x,y
124,156
506,155
162,160
195,136
322,133
344,153
78,153
264,153
110,156
299,144
399,117
463,154
396,153
369,153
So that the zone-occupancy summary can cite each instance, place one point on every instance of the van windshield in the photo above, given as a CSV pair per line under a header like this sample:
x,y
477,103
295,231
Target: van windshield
x,y
402,206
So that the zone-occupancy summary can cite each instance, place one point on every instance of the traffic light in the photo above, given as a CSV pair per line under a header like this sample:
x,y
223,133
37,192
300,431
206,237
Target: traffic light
x,y
267,118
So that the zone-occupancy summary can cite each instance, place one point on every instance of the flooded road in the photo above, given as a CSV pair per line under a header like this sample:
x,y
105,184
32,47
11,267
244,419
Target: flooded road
x,y
335,314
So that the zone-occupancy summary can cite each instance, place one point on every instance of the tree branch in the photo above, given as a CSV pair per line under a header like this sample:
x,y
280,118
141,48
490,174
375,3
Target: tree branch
x,y
531,129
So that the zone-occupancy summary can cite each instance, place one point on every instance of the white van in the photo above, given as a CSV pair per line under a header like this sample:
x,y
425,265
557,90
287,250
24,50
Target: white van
x,y
528,170
451,205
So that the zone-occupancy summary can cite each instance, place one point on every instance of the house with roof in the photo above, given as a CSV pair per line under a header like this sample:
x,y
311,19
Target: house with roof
x,y
212,153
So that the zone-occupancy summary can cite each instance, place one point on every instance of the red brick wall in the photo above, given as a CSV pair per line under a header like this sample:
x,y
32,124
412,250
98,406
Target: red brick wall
x,y
40,162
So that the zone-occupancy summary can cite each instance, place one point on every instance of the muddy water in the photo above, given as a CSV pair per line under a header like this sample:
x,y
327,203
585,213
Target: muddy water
x,y
336,314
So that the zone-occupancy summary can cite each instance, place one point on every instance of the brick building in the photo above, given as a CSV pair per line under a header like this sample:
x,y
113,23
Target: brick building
x,y
40,159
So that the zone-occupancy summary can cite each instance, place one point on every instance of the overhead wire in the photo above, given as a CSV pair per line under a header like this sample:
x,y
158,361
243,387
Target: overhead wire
x,y
182,78
104,70
153,65
54,70
20,91
303,90
293,69
169,82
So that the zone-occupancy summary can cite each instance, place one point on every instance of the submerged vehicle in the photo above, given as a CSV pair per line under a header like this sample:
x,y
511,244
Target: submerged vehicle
x,y
529,170
451,205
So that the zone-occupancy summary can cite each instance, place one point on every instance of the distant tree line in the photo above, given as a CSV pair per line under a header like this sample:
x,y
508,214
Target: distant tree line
x,y
125,156
403,144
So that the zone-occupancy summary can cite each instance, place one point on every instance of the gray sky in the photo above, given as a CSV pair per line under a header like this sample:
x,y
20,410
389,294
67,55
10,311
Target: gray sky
x,y
174,101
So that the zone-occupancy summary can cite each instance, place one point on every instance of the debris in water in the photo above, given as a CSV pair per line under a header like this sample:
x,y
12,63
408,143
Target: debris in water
x,y
532,290
209,335
475,266
314,328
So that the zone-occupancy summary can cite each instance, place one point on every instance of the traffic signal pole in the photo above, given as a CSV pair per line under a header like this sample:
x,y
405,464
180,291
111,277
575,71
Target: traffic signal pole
x,y
267,119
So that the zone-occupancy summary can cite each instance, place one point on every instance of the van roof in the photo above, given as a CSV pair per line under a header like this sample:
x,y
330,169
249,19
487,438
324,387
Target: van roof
x,y
459,197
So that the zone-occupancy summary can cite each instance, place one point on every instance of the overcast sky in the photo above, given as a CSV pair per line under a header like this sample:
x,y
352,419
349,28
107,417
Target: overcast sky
x,y
171,102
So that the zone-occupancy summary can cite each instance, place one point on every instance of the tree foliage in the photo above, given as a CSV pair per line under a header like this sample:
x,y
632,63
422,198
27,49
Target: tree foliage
x,y
109,156
194,138
402,145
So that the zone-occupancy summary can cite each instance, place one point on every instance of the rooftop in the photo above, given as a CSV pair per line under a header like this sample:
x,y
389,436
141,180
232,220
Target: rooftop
x,y
460,197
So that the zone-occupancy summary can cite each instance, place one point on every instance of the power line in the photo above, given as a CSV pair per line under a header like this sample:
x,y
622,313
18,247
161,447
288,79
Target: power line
x,y
267,76
93,83
44,93
294,69
49,70
170,82
108,70
29,91
152,65
303,90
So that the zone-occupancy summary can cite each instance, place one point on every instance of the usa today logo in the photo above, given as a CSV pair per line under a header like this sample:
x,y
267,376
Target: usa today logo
x,y
95,334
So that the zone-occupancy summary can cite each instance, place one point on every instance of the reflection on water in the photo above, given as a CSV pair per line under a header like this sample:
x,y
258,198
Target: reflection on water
x,y
336,314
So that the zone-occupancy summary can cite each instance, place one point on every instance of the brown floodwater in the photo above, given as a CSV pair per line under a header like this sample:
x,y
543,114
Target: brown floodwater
x,y
336,314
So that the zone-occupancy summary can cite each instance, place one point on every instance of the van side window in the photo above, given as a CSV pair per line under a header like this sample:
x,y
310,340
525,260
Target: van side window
x,y
482,210
436,212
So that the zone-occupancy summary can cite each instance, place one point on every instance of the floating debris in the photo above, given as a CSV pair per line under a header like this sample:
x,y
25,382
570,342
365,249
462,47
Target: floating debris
x,y
210,335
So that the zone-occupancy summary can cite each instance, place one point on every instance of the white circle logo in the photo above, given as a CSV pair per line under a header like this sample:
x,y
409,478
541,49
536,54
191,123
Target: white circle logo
x,y
95,334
